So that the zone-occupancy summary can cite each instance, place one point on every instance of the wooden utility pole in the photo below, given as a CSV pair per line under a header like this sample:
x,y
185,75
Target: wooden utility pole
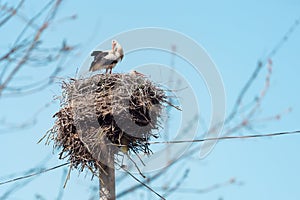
x,y
107,178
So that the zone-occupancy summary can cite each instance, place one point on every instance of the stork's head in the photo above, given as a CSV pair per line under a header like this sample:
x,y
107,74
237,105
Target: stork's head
x,y
114,44
116,47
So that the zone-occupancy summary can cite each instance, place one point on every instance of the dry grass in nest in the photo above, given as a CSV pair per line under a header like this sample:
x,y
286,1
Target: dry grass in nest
x,y
117,110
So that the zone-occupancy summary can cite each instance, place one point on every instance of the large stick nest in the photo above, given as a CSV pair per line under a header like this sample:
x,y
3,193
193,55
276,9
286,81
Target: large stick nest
x,y
106,112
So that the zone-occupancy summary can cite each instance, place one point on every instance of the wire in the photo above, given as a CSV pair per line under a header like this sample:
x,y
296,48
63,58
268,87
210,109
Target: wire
x,y
148,187
227,138
34,174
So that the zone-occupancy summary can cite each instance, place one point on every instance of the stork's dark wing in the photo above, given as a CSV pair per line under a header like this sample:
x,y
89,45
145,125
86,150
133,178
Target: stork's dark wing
x,y
106,62
98,56
121,57
100,53
102,59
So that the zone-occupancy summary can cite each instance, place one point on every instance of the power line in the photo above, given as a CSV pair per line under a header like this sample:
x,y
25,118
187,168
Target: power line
x,y
34,174
143,183
227,138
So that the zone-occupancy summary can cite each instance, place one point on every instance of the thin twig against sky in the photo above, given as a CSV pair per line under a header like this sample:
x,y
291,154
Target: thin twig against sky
x,y
258,68
28,50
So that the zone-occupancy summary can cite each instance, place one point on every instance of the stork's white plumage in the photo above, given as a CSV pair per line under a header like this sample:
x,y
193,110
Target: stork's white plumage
x,y
107,59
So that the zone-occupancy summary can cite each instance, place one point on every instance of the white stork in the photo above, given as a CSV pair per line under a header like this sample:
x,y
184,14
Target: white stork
x,y
107,59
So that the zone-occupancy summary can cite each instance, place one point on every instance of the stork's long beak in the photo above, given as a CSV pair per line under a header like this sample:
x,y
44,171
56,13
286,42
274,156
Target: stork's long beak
x,y
113,46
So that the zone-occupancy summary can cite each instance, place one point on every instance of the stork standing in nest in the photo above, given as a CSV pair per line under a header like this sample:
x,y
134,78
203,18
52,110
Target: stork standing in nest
x,y
107,59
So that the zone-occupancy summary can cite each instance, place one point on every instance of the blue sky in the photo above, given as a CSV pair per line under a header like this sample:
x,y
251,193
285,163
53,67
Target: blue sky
x,y
235,34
